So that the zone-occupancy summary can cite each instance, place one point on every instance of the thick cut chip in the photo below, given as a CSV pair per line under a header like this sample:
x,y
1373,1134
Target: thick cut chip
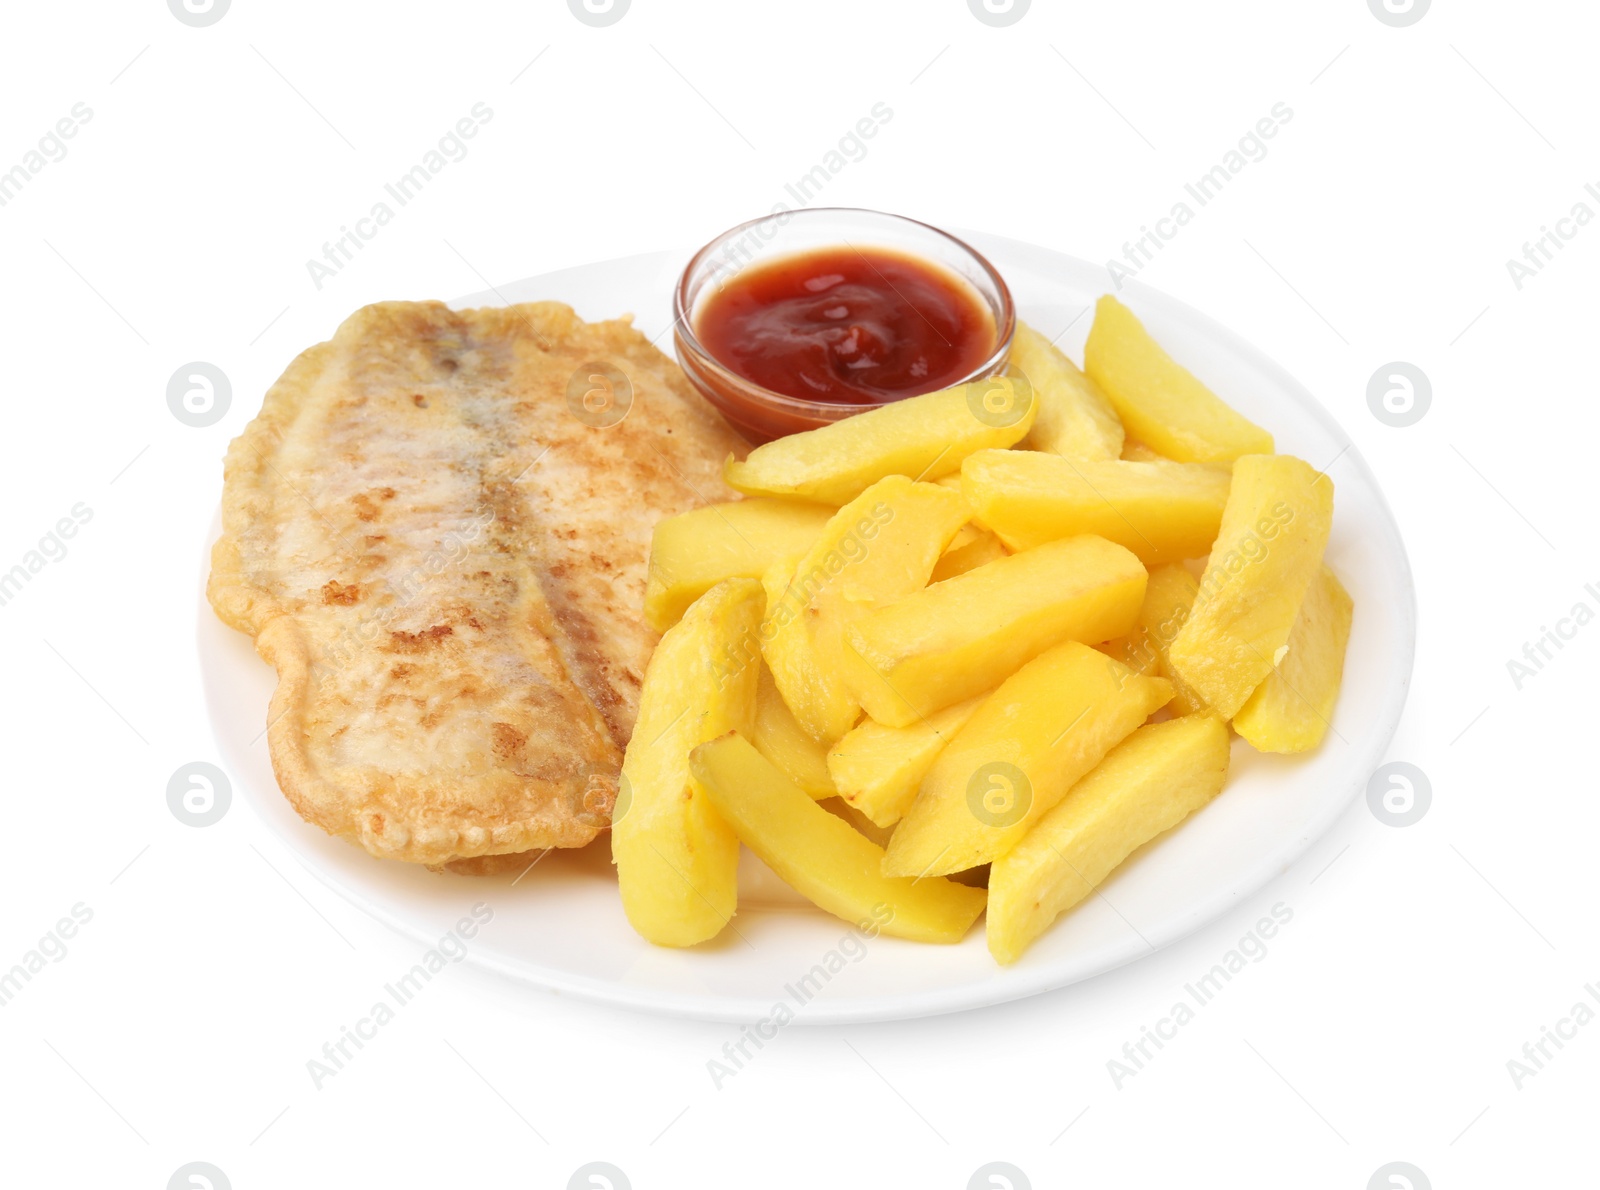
x,y
1293,708
920,437
877,769
778,736
1044,728
1074,419
789,649
1163,512
1160,401
1147,784
880,546
965,635
694,551
677,861
1267,552
821,855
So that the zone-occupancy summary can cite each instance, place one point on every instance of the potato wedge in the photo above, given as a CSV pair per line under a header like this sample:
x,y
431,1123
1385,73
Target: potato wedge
x,y
822,856
1147,784
778,736
1267,552
967,634
677,860
1161,402
694,551
1163,512
877,769
921,437
789,649
971,548
1044,728
1074,417
880,546
1292,709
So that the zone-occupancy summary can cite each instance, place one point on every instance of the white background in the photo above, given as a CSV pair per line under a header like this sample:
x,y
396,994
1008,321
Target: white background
x,y
177,228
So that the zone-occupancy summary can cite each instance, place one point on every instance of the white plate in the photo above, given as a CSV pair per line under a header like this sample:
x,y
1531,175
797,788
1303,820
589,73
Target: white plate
x,y
561,926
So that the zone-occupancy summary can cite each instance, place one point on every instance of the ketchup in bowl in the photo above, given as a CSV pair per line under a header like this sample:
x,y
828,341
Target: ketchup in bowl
x,y
849,326
801,318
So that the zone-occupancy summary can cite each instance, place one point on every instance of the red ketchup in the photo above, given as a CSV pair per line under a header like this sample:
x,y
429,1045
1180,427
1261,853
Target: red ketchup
x,y
847,326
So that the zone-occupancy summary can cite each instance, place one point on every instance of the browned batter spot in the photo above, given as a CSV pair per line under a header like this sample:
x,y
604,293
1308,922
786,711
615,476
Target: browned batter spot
x,y
416,642
508,741
334,591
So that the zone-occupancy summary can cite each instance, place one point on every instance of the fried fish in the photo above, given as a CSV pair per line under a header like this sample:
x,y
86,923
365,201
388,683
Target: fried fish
x,y
437,531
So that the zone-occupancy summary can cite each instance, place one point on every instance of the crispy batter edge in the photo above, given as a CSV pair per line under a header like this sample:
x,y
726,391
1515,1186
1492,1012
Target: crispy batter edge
x,y
254,611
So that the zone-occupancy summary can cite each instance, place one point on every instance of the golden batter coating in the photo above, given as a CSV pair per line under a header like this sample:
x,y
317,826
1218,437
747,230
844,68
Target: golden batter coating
x,y
443,555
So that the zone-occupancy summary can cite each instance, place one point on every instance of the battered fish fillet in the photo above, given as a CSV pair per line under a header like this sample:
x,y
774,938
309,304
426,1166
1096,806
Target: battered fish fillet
x,y
443,556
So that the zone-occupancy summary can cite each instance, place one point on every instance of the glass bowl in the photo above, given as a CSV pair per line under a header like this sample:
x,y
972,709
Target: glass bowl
x,y
761,414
